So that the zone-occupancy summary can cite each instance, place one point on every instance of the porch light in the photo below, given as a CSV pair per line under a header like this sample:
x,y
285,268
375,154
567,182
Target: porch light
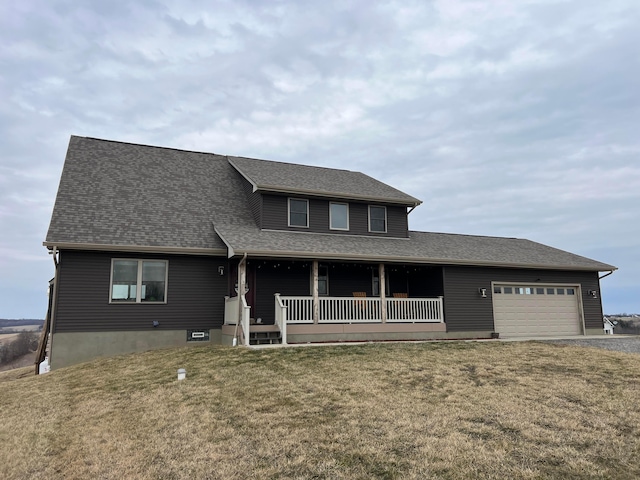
x,y
482,292
593,293
221,270
182,373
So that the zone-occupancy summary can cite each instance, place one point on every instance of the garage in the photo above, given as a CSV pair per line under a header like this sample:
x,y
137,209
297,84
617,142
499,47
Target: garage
x,y
536,310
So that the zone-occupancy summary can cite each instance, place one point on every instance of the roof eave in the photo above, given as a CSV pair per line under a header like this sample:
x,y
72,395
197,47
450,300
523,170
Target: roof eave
x,y
135,248
421,260
409,202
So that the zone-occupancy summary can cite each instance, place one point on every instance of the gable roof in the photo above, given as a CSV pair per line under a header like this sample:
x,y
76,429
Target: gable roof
x,y
127,195
120,196
289,178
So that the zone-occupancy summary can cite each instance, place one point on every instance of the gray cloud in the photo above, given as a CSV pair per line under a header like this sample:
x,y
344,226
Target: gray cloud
x,y
516,119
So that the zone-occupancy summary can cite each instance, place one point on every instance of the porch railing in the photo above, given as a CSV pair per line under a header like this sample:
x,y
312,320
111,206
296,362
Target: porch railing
x,y
281,317
231,305
415,310
363,309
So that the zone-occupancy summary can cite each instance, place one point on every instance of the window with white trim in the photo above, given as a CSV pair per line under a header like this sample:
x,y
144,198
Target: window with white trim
x,y
137,281
338,216
298,212
377,219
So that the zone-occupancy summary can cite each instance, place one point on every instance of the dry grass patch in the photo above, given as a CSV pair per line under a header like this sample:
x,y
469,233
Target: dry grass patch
x,y
432,410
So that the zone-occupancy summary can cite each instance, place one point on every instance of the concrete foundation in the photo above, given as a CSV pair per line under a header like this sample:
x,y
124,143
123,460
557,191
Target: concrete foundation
x,y
77,347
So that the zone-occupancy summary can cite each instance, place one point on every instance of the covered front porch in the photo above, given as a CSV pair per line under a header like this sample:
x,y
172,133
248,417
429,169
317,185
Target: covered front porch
x,y
313,301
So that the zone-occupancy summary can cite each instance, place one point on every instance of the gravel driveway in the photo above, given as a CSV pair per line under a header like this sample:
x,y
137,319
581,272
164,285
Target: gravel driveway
x,y
617,343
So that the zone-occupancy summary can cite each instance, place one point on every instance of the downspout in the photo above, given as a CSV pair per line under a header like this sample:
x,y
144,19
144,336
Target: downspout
x,y
241,283
56,268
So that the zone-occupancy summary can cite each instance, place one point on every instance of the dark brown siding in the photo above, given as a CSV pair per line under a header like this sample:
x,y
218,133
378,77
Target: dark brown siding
x,y
286,278
465,310
275,217
349,278
195,295
255,202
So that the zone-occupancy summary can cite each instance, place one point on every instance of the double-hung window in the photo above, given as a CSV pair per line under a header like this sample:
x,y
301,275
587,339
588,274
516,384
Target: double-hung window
x,y
298,212
377,219
338,216
137,281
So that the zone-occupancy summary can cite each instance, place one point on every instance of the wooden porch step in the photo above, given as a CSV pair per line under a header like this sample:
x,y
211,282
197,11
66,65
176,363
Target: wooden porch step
x,y
265,338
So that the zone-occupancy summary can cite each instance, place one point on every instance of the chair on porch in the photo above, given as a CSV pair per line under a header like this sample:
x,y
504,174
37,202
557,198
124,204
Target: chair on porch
x,y
361,304
400,308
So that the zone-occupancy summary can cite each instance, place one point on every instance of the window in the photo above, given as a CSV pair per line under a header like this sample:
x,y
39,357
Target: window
x,y
508,290
540,291
497,289
571,291
551,291
377,219
298,212
323,280
138,281
375,282
339,216
561,291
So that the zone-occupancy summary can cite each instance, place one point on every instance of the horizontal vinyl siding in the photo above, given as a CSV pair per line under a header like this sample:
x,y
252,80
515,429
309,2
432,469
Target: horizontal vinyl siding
x,y
466,310
346,279
195,295
255,202
275,212
286,278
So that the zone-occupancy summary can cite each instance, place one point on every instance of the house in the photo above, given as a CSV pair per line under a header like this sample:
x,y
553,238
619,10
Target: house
x,y
158,247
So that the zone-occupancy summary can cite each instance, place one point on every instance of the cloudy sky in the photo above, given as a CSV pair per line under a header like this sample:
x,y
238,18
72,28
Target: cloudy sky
x,y
507,118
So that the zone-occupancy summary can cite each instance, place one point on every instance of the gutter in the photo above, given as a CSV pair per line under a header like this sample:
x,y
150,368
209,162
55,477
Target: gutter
x,y
134,248
392,259
606,275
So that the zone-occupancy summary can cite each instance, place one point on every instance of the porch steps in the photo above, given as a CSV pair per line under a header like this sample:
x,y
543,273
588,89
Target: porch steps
x,y
265,338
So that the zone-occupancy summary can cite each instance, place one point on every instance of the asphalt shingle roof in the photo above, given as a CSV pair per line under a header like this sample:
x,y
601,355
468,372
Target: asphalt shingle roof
x,y
291,178
115,195
420,247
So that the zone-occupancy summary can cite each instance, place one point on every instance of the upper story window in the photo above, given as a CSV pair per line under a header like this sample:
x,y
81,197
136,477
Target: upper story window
x,y
298,212
377,219
138,281
339,216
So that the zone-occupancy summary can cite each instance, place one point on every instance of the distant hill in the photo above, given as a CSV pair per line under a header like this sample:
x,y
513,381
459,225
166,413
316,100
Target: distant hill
x,y
4,322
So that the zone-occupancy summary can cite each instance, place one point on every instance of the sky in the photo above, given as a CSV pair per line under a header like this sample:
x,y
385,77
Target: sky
x,y
517,119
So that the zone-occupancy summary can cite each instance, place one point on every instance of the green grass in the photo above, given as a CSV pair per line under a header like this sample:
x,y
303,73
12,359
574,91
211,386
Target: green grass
x,y
429,410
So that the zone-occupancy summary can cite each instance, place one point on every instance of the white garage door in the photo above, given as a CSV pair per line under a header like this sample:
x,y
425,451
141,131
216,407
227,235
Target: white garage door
x,y
540,310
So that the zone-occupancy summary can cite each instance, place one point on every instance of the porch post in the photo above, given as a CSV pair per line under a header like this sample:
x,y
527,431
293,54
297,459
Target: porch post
x,y
316,300
242,281
383,298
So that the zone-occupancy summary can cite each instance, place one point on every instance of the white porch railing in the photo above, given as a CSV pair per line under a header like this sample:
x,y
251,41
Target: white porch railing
x,y
363,309
415,310
231,316
281,318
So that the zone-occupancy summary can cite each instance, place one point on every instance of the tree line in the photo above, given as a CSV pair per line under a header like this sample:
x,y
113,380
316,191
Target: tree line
x,y
24,343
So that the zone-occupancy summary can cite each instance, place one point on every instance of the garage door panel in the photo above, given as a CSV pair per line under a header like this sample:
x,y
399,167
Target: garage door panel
x,y
534,314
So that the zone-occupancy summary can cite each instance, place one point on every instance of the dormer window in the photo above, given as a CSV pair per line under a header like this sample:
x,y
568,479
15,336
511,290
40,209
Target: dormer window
x,y
377,219
339,216
298,212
